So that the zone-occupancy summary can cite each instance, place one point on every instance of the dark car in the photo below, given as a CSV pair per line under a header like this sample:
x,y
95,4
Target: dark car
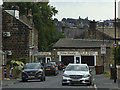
x,y
50,68
61,66
33,71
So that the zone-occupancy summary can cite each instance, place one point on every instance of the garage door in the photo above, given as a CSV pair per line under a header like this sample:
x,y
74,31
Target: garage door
x,y
67,59
89,60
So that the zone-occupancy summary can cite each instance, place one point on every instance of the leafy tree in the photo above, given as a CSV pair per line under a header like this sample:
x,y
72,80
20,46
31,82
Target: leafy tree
x,y
43,22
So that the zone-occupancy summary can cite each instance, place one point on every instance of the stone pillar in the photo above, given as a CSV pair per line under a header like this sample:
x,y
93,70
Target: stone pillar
x,y
8,71
118,75
3,76
54,55
118,72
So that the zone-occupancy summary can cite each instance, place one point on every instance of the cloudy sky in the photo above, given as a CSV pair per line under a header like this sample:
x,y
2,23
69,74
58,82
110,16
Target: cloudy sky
x,y
93,9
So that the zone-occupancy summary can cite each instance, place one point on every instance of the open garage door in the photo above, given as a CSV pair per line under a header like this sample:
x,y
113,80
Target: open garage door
x,y
67,59
89,60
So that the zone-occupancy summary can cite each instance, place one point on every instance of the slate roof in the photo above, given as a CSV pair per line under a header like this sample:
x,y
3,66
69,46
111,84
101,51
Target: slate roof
x,y
68,43
19,20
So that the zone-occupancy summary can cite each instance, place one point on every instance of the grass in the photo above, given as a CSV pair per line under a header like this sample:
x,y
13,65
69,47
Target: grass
x,y
107,74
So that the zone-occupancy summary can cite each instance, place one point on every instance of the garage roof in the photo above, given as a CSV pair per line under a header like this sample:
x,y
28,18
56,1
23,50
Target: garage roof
x,y
81,43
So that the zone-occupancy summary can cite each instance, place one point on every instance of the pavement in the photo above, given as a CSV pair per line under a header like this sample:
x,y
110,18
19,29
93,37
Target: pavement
x,y
101,81
8,82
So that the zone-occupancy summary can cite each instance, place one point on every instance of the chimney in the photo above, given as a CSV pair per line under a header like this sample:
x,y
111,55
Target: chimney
x,y
92,29
30,17
118,27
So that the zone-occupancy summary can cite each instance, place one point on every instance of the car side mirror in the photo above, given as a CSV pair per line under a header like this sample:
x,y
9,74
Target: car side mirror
x,y
63,70
22,68
41,67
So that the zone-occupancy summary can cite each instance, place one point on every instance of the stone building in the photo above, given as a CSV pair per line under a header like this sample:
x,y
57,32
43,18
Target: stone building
x,y
94,33
83,51
19,38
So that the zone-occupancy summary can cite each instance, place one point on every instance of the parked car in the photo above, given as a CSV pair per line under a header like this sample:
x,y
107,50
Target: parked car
x,y
53,62
33,71
50,68
61,66
77,74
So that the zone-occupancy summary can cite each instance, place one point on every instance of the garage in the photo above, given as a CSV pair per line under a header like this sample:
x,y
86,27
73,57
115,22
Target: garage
x,y
67,59
89,60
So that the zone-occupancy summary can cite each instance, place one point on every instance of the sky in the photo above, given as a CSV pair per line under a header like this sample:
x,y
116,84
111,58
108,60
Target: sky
x,y
93,9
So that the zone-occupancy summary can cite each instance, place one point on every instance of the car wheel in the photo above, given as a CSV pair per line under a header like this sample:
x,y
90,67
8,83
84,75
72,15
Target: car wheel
x,y
44,78
89,84
63,84
24,80
55,73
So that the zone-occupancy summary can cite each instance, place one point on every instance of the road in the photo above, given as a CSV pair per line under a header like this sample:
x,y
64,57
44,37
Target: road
x,y
51,82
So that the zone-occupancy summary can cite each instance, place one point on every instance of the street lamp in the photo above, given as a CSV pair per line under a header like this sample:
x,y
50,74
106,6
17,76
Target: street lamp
x,y
103,44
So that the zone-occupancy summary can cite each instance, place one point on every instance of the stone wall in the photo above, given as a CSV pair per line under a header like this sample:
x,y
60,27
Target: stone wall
x,y
108,57
73,32
110,31
18,41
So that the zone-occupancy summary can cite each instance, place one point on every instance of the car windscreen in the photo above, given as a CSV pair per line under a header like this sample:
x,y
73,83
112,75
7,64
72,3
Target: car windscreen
x,y
76,68
48,65
32,66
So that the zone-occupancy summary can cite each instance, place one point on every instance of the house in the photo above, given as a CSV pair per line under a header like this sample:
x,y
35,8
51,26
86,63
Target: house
x,y
19,39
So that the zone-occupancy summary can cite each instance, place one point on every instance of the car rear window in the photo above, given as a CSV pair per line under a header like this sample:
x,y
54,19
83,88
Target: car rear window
x,y
48,64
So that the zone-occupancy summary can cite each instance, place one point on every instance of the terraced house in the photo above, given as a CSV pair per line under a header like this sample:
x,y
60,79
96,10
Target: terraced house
x,y
19,37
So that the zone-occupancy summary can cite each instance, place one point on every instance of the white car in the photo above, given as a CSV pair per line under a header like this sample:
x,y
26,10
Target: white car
x,y
77,74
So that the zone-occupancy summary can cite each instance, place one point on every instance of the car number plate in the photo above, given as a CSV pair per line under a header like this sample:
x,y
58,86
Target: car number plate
x,y
31,76
75,80
47,69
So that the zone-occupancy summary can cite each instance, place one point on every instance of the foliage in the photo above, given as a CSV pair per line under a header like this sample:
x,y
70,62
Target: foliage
x,y
117,54
107,74
43,22
18,63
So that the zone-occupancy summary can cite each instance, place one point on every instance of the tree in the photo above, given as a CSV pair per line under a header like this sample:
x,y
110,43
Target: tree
x,y
43,22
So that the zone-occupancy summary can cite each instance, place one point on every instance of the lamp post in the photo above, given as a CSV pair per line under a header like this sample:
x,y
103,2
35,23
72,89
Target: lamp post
x,y
103,44
115,69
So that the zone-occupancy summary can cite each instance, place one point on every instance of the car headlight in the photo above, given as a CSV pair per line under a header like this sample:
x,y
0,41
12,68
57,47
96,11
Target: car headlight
x,y
39,72
65,75
87,75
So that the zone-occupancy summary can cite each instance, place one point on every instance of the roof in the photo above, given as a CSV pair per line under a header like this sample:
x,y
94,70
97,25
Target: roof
x,y
19,20
69,43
